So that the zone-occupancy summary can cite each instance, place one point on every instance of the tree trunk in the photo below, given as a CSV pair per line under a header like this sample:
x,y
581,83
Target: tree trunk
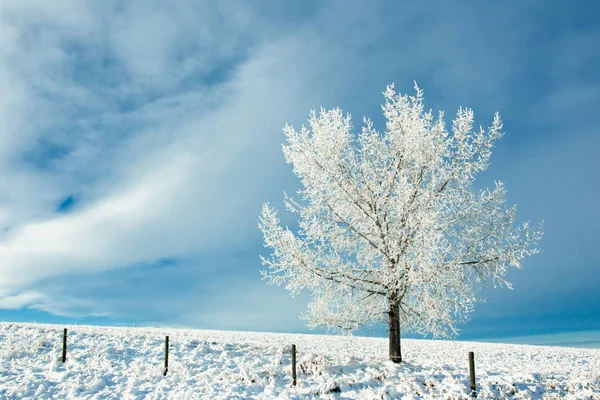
x,y
394,329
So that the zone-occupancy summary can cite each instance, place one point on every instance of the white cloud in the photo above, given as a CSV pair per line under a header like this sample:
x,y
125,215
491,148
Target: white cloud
x,y
188,178
20,300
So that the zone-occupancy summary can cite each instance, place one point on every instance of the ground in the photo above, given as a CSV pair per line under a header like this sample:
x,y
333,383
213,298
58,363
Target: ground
x,y
127,363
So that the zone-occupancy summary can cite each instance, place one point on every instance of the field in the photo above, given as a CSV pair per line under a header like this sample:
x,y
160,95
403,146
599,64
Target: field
x,y
127,363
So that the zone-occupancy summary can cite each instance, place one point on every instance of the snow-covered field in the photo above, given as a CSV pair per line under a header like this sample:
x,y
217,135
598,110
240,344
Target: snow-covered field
x,y
126,363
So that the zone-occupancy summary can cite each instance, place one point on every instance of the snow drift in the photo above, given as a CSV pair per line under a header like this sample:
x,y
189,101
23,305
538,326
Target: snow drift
x,y
127,363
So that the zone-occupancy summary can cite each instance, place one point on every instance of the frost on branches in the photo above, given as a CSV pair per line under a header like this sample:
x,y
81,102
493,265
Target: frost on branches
x,y
390,228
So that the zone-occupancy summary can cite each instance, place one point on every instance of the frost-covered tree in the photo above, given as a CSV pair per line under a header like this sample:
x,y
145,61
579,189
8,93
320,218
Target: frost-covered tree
x,y
390,227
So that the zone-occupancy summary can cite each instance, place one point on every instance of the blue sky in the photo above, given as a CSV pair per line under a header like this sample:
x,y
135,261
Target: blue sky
x,y
138,141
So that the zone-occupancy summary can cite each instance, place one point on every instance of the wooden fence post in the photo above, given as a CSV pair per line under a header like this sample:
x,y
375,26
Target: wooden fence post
x,y
64,349
472,373
166,356
293,365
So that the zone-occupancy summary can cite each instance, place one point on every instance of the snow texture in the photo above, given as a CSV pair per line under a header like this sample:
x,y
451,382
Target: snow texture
x,y
127,363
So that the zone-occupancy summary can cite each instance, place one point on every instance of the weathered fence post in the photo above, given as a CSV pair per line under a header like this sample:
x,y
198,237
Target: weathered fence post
x,y
64,350
166,356
293,365
472,373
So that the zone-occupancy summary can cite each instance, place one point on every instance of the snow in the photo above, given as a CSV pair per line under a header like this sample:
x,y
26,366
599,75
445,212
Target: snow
x,y
127,363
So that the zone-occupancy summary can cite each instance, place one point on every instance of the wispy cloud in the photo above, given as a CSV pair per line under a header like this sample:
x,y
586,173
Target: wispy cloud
x,y
175,182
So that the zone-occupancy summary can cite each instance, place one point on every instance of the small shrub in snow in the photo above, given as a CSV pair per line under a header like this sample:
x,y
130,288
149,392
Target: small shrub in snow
x,y
313,364
331,386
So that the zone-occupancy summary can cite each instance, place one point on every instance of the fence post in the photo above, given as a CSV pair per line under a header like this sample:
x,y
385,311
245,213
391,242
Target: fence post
x,y
64,349
293,365
166,356
472,373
